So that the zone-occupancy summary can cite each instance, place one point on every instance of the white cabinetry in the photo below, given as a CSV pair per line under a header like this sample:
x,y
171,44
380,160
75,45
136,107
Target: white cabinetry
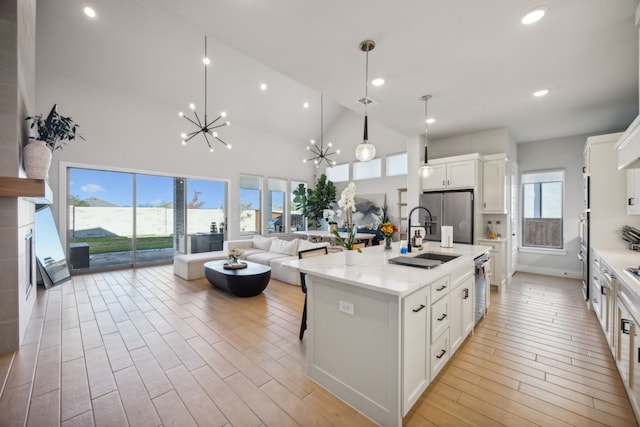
x,y
440,313
627,344
494,196
415,367
461,174
462,310
602,293
633,191
497,257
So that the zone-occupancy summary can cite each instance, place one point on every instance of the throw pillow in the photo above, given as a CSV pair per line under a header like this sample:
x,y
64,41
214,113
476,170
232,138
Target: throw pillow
x,y
263,243
284,247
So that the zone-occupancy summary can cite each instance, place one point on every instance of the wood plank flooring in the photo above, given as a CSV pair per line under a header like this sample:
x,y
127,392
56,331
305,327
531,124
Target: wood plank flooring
x,y
143,347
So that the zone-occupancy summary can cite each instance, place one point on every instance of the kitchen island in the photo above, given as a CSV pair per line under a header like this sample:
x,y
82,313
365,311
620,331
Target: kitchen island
x,y
379,332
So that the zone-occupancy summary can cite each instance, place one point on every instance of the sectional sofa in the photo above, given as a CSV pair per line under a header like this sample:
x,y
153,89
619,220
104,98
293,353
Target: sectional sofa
x,y
271,251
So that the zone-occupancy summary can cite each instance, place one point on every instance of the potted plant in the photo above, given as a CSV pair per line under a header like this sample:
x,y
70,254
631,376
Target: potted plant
x,y
313,202
53,132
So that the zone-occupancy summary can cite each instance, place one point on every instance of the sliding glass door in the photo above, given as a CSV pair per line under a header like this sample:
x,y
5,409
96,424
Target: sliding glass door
x,y
100,217
119,219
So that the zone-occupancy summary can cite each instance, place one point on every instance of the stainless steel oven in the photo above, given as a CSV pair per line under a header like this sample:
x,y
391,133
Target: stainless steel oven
x,y
586,182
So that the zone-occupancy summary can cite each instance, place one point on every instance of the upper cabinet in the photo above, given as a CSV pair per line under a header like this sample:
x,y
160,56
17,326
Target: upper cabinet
x,y
494,198
451,175
633,191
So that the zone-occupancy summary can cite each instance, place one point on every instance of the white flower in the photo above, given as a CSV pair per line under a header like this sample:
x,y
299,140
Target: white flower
x,y
347,198
328,214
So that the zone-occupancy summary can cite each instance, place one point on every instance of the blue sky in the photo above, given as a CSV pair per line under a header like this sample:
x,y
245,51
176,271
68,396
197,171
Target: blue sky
x,y
117,188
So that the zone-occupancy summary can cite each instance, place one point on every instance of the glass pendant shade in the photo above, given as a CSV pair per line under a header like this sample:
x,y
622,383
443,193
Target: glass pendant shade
x,y
365,151
425,171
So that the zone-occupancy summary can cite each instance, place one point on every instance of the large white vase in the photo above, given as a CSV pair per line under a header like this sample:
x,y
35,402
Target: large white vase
x,y
37,159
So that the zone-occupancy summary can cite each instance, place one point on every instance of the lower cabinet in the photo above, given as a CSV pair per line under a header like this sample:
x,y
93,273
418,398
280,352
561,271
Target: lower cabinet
x,y
461,300
415,373
627,345
435,321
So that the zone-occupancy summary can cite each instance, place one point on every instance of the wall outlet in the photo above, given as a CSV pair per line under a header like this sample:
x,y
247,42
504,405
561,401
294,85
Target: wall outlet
x,y
346,307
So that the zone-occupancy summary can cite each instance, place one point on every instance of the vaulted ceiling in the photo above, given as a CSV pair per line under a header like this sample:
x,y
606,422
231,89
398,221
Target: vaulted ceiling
x,y
476,59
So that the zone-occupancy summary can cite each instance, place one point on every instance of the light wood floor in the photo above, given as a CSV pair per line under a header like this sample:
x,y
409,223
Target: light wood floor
x,y
143,347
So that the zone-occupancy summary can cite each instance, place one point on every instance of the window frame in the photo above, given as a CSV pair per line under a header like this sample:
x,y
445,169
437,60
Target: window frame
x,y
523,247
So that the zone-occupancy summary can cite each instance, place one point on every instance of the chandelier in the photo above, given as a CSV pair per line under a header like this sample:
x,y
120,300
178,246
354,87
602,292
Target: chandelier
x,y
321,153
366,151
425,170
204,126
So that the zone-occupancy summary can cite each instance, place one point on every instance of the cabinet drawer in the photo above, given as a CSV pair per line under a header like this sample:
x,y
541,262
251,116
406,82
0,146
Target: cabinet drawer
x,y
439,354
439,318
439,288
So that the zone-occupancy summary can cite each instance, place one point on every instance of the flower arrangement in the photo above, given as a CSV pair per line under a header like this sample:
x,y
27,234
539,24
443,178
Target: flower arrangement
x,y
235,254
387,229
349,241
347,202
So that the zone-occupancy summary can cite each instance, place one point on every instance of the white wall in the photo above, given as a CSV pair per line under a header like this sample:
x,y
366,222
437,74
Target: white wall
x,y
563,153
487,142
129,133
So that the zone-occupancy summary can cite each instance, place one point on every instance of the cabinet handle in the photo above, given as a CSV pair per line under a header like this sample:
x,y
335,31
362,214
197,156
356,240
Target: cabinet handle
x,y
595,301
415,310
603,290
625,326
631,201
442,288
443,183
443,352
448,182
465,293
441,318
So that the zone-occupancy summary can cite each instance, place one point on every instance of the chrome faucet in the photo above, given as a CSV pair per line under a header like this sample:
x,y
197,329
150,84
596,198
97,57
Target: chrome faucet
x,y
427,225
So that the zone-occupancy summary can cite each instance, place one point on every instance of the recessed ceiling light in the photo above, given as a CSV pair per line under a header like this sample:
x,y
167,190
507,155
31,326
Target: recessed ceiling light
x,y
534,15
431,120
377,82
263,86
540,93
305,105
89,12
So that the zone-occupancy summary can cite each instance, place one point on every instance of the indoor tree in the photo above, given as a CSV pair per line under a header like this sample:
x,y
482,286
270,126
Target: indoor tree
x,y
314,201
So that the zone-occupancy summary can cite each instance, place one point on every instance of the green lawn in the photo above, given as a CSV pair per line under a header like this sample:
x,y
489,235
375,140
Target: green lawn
x,y
102,245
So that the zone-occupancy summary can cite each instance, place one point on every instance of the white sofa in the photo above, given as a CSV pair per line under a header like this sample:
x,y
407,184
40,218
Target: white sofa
x,y
270,251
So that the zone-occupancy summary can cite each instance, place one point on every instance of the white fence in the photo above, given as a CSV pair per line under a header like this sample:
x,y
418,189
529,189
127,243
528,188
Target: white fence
x,y
109,221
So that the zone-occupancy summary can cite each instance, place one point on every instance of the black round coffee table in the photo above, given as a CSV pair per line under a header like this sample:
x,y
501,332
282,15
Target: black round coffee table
x,y
244,282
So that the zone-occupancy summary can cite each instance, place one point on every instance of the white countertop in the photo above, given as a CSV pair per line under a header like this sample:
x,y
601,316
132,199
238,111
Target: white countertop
x,y
373,271
618,260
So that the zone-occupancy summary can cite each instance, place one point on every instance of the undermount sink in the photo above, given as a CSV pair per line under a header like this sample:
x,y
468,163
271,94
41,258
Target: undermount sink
x,y
424,260
437,256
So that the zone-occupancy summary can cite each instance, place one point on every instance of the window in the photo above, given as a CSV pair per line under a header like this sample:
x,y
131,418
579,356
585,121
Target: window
x,y
297,220
396,164
338,173
250,195
277,188
367,170
542,209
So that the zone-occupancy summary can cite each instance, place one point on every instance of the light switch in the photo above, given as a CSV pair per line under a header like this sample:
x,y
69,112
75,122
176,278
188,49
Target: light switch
x,y
346,307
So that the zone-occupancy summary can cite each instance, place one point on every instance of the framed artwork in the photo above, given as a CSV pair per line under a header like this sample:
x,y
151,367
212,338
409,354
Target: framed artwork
x,y
368,210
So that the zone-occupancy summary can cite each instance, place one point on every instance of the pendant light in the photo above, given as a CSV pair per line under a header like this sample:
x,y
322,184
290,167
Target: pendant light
x,y
366,151
204,127
321,153
425,170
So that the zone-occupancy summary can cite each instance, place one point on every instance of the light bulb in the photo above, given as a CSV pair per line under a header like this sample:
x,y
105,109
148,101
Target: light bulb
x,y
181,114
184,142
228,146
211,150
206,61
337,151
223,114
304,160
183,135
192,106
425,171
89,12
215,134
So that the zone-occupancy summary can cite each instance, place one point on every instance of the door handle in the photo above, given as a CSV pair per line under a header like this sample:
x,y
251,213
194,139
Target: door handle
x,y
441,318
415,310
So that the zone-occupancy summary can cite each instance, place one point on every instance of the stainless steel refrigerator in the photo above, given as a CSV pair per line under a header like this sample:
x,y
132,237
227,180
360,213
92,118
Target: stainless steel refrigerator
x,y
454,208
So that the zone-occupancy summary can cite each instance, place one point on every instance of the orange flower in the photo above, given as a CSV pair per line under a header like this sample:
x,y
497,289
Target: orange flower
x,y
387,229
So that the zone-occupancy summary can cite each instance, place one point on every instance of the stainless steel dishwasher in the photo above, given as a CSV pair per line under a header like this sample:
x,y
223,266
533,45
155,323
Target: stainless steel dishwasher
x,y
481,266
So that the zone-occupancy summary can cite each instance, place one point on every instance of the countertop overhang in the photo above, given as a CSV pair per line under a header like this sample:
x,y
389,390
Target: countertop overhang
x,y
374,272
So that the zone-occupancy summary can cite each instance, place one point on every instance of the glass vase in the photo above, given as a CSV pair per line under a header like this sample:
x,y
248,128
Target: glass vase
x,y
387,243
